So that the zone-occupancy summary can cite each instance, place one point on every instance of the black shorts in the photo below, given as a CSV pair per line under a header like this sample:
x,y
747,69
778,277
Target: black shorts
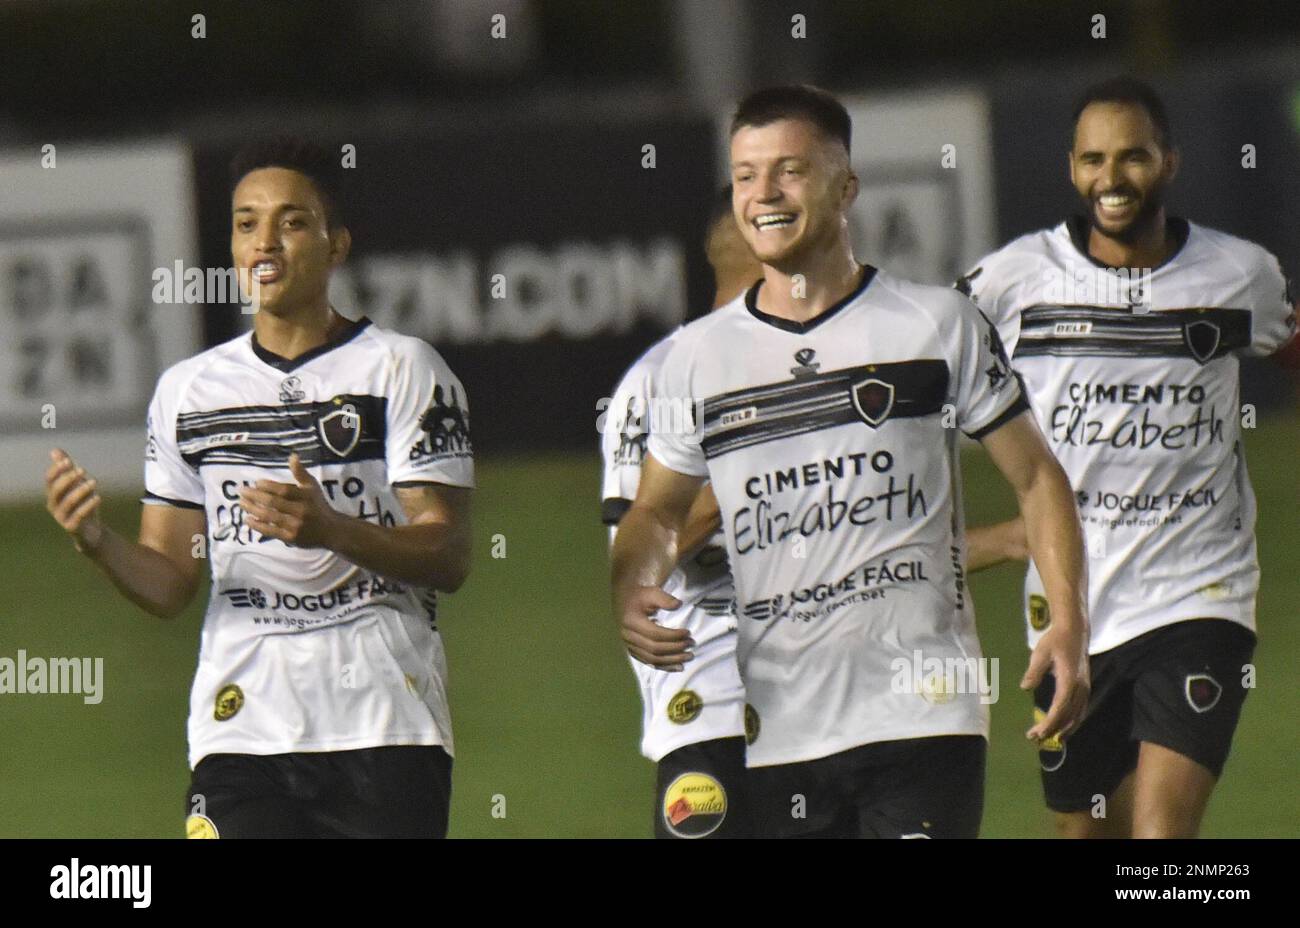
x,y
389,792
917,788
1179,686
701,792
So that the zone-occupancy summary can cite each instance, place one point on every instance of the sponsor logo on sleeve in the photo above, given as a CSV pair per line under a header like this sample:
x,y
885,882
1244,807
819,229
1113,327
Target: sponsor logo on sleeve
x,y
446,428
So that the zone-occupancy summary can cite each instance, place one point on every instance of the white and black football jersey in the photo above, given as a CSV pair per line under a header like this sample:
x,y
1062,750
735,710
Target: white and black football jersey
x,y
303,650
832,447
705,701
1133,377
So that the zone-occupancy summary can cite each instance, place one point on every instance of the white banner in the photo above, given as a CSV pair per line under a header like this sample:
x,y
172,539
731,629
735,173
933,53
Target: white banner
x,y
81,231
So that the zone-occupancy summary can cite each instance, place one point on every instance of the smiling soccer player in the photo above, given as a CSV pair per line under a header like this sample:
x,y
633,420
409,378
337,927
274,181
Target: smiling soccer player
x,y
1126,325
329,462
847,387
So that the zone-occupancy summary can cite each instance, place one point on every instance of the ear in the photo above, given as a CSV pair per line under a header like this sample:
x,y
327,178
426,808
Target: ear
x,y
340,245
1173,160
1069,163
851,188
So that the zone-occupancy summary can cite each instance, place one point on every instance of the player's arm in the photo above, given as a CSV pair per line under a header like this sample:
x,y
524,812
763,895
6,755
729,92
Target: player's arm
x,y
990,545
159,572
702,522
432,550
646,550
1055,540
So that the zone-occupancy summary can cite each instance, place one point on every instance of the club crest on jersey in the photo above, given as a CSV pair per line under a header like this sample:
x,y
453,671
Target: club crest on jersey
x,y
1202,339
805,365
1202,691
340,430
873,399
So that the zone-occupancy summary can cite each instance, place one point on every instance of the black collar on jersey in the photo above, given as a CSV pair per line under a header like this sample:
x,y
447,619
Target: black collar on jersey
x,y
288,364
1079,228
799,328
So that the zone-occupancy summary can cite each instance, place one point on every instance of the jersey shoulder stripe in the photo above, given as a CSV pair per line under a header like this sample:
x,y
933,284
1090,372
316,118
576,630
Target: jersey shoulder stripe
x,y
1202,334
869,393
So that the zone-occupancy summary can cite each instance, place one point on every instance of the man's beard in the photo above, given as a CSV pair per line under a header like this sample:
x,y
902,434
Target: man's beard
x,y
1152,203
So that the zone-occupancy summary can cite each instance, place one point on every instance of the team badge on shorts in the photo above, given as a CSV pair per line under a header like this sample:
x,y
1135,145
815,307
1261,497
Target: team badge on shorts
x,y
1202,691
752,724
695,805
1039,617
230,699
1051,751
685,707
200,826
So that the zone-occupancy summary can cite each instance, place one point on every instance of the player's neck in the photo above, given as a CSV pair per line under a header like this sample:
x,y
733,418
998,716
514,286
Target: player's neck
x,y
292,335
805,292
1148,250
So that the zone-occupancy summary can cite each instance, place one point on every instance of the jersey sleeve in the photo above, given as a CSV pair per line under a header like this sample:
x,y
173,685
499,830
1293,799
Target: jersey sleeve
x,y
168,478
427,437
985,286
988,393
1271,300
623,445
675,438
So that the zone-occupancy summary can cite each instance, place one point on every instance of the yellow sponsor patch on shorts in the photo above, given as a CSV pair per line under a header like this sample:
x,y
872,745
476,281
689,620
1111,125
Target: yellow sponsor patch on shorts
x,y
1053,743
200,826
695,805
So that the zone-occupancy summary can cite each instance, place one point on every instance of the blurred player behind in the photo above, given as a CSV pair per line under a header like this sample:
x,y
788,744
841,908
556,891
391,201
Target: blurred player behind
x,y
329,462
693,721
1126,326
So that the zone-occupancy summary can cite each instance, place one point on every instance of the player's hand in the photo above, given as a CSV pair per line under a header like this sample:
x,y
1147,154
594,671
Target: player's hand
x,y
647,640
297,514
72,497
1066,654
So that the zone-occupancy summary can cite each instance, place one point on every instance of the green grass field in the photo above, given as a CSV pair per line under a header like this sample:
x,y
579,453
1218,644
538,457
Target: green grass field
x,y
545,709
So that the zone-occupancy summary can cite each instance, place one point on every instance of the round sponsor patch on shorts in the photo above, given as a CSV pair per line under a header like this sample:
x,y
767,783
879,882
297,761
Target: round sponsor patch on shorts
x,y
752,724
230,699
200,826
1039,617
685,707
1051,751
695,805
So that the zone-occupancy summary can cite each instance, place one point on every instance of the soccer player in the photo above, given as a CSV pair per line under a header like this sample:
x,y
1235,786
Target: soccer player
x,y
830,396
1126,325
693,722
329,463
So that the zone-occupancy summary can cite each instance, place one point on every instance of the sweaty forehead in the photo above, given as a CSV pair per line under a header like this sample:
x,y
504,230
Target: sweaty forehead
x,y
1111,125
